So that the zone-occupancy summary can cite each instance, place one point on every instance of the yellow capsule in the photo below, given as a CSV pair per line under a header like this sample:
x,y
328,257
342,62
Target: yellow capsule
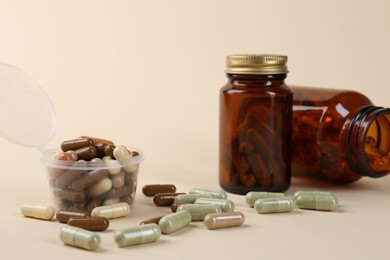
x,y
39,212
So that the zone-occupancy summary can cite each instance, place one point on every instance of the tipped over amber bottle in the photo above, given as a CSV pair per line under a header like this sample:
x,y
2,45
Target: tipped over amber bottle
x,y
339,135
255,125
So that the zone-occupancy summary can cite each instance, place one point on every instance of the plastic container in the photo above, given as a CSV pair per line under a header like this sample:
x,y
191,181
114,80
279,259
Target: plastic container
x,y
30,106
339,135
255,125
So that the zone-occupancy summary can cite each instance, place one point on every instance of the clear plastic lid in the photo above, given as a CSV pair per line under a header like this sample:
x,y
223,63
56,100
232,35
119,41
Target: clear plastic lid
x,y
26,113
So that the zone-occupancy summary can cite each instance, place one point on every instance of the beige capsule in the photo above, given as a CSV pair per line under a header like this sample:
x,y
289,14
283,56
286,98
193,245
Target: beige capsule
x,y
224,220
39,212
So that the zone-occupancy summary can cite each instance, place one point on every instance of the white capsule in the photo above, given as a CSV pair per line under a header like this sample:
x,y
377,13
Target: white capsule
x,y
116,210
99,188
114,165
78,237
39,212
123,156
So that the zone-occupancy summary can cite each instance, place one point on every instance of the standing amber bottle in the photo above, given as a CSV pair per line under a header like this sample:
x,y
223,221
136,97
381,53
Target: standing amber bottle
x,y
339,135
255,125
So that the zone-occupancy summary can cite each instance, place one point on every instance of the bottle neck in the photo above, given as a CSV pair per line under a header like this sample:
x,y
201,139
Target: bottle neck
x,y
256,79
368,142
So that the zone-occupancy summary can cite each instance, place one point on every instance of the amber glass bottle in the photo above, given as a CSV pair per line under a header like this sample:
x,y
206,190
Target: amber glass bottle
x,y
339,135
255,125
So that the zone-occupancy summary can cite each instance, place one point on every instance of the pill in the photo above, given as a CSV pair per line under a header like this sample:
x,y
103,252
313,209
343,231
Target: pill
x,y
100,149
96,202
191,198
165,199
67,156
198,211
39,212
99,188
116,210
120,192
225,205
63,216
67,177
111,201
123,156
114,167
109,151
90,223
216,194
75,196
76,144
96,140
274,205
86,153
175,205
137,235
252,196
312,192
81,238
174,221
88,179
317,202
118,180
154,220
153,189
224,220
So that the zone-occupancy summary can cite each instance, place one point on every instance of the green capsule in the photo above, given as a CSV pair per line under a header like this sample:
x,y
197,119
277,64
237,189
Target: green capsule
x,y
252,196
317,202
137,235
197,211
80,238
226,205
274,205
312,192
190,198
174,221
220,194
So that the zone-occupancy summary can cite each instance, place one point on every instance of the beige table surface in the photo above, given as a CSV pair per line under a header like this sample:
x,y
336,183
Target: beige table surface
x,y
147,74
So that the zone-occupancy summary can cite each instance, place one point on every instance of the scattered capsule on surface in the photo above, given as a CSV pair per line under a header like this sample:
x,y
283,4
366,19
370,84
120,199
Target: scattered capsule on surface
x,y
198,211
165,199
252,196
122,155
175,205
317,202
116,210
79,237
312,192
154,220
153,189
274,205
216,194
90,223
137,235
191,198
225,205
174,221
224,220
63,216
39,212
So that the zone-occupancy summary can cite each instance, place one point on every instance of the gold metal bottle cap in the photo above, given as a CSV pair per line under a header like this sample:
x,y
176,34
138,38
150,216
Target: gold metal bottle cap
x,y
256,64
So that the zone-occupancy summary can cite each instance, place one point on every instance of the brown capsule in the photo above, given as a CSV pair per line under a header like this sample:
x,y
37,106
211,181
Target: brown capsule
x,y
109,151
90,223
175,205
165,199
89,179
96,140
152,220
76,144
120,192
67,177
86,153
94,203
260,169
153,189
100,150
64,215
75,196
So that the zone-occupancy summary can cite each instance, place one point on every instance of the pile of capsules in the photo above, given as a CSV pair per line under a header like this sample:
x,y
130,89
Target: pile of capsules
x,y
98,173
275,202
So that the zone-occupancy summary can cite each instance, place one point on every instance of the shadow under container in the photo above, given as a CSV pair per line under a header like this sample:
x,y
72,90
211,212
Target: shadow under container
x,y
84,185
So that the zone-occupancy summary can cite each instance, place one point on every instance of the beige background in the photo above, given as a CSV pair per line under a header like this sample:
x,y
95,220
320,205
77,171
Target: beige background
x,y
147,74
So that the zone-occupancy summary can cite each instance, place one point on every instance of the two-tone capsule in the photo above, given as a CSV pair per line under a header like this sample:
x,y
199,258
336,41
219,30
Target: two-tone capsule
x,y
199,211
225,204
224,220
38,212
219,194
174,221
116,210
252,196
137,235
317,202
274,205
191,198
79,237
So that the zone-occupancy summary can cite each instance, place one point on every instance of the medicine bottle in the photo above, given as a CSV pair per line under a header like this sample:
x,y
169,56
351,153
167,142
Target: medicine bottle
x,y
339,135
255,125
